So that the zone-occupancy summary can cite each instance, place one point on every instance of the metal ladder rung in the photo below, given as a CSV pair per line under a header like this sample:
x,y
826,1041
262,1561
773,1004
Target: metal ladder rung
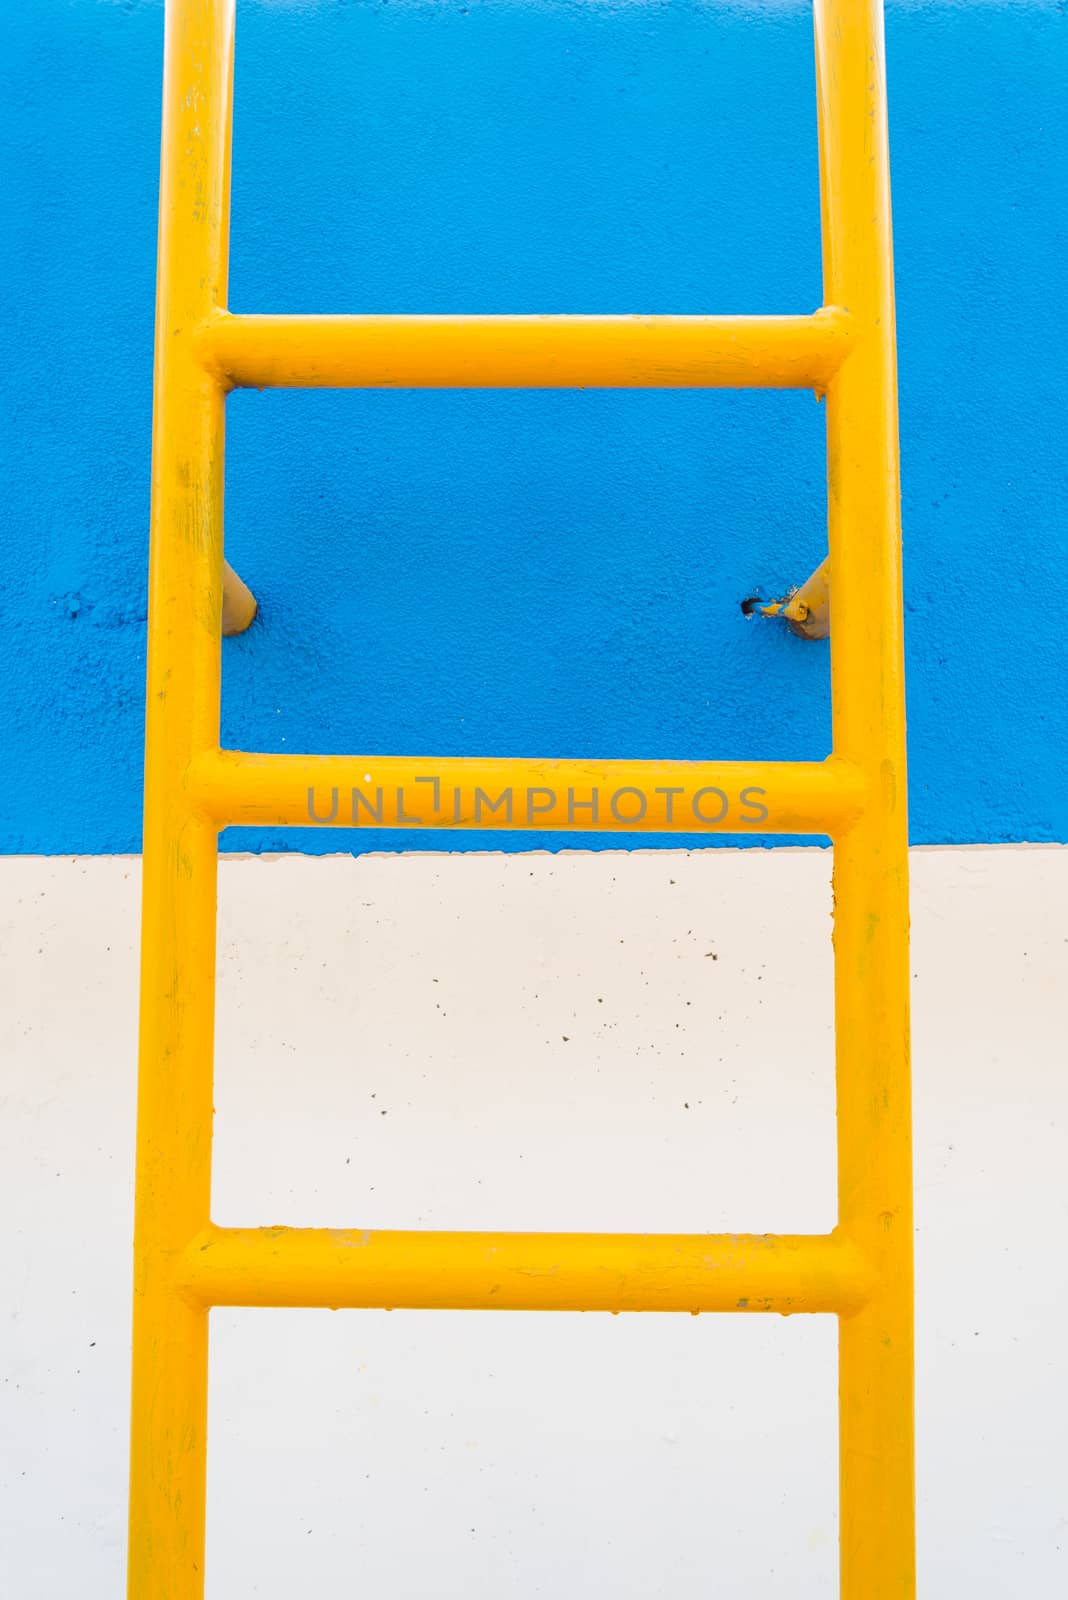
x,y
503,793
334,1267
525,352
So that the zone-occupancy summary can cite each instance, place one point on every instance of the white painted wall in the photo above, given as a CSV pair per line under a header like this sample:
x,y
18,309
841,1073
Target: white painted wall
x,y
538,1041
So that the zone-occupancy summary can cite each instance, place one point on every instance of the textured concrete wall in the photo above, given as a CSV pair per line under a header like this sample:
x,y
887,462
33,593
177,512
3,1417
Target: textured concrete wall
x,y
524,1042
554,574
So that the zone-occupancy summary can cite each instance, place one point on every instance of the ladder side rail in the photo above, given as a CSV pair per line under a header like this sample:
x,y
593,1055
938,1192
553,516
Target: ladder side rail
x,y
871,859
170,1329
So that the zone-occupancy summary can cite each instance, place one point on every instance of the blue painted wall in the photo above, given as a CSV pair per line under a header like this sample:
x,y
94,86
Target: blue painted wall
x,y
534,573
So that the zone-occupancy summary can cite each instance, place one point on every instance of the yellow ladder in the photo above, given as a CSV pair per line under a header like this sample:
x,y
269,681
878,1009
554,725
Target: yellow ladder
x,y
184,1265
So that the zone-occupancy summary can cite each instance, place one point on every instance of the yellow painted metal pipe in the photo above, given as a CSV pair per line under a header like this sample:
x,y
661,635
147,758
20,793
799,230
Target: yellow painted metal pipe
x,y
518,352
169,1405
871,926
238,603
589,796
525,1271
